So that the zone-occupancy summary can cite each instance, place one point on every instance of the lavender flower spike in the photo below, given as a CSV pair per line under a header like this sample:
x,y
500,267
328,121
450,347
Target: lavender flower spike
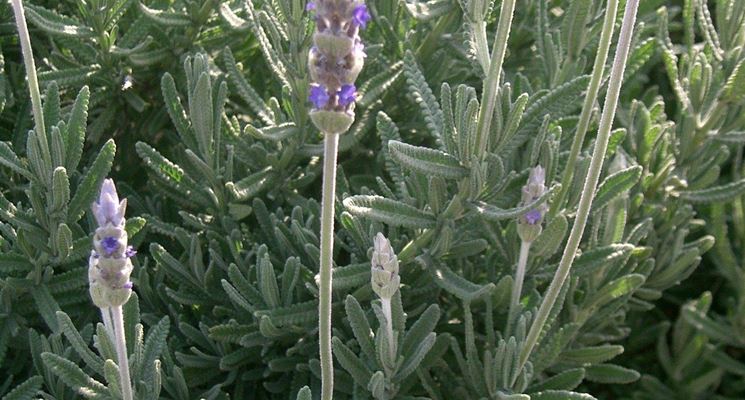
x,y
385,278
109,266
335,61
529,225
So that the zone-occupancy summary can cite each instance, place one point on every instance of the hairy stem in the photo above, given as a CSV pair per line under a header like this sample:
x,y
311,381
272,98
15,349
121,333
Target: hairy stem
x,y
386,306
121,352
331,144
108,323
593,88
517,287
591,182
491,83
28,60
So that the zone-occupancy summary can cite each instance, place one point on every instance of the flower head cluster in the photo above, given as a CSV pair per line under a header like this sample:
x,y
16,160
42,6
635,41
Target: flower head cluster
x,y
529,224
385,278
109,265
335,61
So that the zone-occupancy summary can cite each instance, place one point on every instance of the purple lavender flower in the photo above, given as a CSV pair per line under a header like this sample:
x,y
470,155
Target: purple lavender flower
x,y
310,6
318,96
130,252
360,16
347,95
110,244
533,216
128,285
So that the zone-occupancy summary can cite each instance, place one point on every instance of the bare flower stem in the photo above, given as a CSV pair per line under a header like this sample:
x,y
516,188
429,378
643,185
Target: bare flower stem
x,y
591,182
517,286
386,306
331,144
611,10
121,352
28,60
108,323
491,83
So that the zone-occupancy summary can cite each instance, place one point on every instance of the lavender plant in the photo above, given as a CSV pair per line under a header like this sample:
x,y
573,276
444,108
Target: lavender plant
x,y
488,209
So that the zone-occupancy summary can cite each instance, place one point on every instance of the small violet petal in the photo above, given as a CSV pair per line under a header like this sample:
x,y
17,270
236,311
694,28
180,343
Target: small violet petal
x,y
318,96
360,16
347,95
110,244
127,285
533,216
310,6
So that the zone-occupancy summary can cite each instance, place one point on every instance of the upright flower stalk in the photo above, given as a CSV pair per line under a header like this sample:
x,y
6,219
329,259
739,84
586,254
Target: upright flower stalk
x,y
591,182
385,281
109,269
528,228
334,62
28,60
609,23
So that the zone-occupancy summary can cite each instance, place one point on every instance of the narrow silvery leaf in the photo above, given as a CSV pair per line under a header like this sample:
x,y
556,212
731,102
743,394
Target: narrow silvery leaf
x,y
412,362
273,132
63,241
26,390
268,282
420,330
458,286
176,111
91,182
553,235
610,373
716,194
56,24
423,94
9,159
111,373
165,17
360,325
427,161
351,363
60,189
623,286
560,395
591,355
200,107
304,394
389,211
616,184
493,213
565,380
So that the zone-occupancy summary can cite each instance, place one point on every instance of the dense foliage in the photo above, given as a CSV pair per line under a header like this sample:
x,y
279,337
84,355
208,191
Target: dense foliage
x,y
199,110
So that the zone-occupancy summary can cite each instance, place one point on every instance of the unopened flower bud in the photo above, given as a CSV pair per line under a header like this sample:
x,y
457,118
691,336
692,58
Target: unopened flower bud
x,y
385,278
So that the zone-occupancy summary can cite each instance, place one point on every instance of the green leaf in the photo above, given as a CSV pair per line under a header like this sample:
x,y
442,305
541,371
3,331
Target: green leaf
x,y
616,184
573,28
76,125
411,362
304,394
389,211
620,287
155,344
201,110
76,340
420,330
56,24
610,373
74,377
716,194
591,355
427,161
251,185
350,276
246,91
560,395
600,257
176,111
46,305
423,94
551,238
458,286
351,363
274,133
734,90
360,326
713,329
566,380
91,183
426,10
27,390
9,159
165,18
494,213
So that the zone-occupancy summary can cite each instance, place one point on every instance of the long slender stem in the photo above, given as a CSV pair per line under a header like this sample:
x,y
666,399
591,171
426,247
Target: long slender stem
x,y
331,144
588,192
28,60
592,95
478,30
517,286
121,352
108,323
386,306
491,83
